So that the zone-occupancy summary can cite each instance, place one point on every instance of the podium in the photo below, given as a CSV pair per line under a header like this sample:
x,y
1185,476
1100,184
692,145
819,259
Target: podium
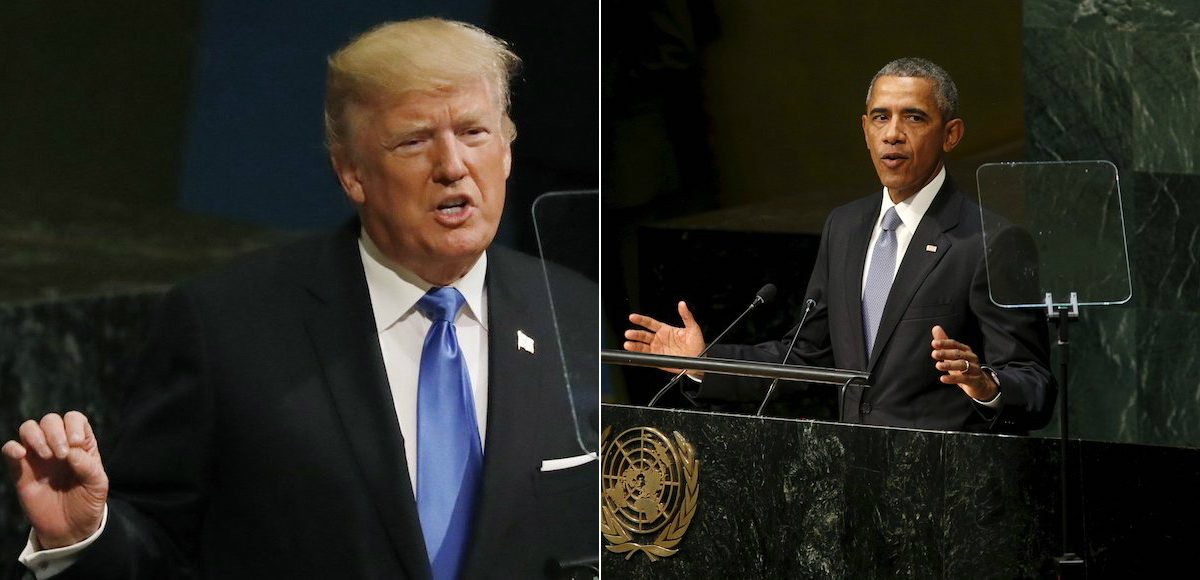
x,y
781,498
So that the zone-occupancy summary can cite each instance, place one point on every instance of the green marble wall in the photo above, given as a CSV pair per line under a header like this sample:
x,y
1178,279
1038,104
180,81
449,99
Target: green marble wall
x,y
1120,80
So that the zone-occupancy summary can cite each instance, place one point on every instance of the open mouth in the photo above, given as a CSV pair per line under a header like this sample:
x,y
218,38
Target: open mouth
x,y
453,206
893,160
454,211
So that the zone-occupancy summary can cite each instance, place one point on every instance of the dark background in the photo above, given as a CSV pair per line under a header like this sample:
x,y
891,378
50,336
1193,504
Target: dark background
x,y
143,141
732,128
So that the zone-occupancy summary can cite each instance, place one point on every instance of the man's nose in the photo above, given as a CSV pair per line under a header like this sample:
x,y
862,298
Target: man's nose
x,y
892,132
449,166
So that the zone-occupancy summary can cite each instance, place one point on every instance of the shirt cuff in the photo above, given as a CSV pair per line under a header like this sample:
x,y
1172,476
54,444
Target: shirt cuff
x,y
995,402
47,563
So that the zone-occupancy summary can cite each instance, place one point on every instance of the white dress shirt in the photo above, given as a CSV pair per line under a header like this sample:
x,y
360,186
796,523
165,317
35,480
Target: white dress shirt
x,y
910,212
402,328
45,563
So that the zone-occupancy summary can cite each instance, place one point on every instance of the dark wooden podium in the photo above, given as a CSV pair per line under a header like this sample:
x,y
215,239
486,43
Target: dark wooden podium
x,y
780,498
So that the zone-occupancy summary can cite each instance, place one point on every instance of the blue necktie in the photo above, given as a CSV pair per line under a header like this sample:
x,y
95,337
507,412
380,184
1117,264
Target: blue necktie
x,y
449,457
879,278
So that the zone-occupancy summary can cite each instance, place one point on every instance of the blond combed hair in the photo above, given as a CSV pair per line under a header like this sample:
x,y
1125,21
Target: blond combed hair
x,y
413,55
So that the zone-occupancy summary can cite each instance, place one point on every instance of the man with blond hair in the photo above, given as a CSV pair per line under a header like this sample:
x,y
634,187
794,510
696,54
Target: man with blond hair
x,y
353,405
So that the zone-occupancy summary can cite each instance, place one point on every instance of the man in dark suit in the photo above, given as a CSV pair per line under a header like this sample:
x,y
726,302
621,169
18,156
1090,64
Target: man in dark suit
x,y
290,417
896,276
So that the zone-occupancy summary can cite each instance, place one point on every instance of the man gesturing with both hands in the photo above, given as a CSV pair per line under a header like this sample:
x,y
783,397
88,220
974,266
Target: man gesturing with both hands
x,y
903,288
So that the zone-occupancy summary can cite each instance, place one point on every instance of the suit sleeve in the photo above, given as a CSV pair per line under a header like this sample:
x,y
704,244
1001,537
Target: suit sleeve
x,y
812,347
1016,345
161,461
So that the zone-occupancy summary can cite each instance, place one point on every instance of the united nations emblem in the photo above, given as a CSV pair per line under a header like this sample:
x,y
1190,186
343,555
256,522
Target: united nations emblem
x,y
649,488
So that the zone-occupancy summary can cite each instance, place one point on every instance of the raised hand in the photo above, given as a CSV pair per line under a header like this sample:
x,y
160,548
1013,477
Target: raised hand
x,y
961,366
59,477
661,338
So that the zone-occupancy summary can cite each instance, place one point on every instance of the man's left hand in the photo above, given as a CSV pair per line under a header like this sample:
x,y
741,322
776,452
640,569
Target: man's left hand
x,y
961,366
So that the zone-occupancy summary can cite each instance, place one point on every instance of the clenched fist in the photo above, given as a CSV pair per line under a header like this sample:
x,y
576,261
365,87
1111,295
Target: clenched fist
x,y
60,479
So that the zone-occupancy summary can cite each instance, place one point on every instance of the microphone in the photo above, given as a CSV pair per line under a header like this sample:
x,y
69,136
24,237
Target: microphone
x,y
808,306
571,568
763,296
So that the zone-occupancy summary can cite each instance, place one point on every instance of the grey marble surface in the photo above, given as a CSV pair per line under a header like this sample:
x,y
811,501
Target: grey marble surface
x,y
1169,396
1165,240
1104,396
996,494
79,278
805,499
60,355
1078,96
1122,15
56,244
1119,80
1165,79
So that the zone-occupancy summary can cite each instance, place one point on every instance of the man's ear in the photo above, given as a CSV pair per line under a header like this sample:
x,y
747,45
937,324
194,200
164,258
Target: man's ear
x,y
348,175
954,133
509,131
507,159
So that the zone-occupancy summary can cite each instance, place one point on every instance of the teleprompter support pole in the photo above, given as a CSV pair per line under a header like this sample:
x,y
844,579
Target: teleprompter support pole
x,y
1069,564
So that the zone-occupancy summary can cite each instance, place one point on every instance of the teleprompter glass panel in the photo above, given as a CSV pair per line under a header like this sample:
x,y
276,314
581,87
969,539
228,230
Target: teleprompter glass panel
x,y
567,226
1054,228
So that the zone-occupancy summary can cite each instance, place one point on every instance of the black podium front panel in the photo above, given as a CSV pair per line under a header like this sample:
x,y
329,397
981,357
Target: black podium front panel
x,y
777,498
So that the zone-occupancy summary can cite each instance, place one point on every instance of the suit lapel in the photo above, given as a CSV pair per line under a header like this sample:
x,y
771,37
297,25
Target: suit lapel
x,y
918,262
515,405
856,247
342,329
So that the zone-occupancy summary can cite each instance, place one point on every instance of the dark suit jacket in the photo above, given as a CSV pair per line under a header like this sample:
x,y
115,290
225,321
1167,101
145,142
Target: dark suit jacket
x,y
947,286
260,439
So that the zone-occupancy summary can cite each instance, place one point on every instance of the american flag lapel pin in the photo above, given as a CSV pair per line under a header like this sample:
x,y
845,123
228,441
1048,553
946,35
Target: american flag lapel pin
x,y
524,342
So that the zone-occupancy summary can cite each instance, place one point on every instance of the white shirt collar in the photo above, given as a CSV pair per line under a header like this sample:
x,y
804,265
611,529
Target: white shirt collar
x,y
913,209
395,290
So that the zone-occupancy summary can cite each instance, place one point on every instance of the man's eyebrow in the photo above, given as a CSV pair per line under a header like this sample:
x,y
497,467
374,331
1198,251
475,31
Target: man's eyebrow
x,y
392,139
906,111
411,127
472,117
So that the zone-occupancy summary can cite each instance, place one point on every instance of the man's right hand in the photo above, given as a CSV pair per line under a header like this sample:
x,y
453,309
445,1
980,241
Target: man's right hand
x,y
59,478
661,338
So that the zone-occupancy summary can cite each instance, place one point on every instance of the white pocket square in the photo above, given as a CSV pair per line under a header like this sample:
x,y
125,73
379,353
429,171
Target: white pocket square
x,y
567,462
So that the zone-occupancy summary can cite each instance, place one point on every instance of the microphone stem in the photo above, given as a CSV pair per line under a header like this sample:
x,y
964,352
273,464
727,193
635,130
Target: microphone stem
x,y
757,300
752,306
786,354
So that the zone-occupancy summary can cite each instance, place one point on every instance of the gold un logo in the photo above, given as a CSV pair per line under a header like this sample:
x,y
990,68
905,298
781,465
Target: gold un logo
x,y
649,489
